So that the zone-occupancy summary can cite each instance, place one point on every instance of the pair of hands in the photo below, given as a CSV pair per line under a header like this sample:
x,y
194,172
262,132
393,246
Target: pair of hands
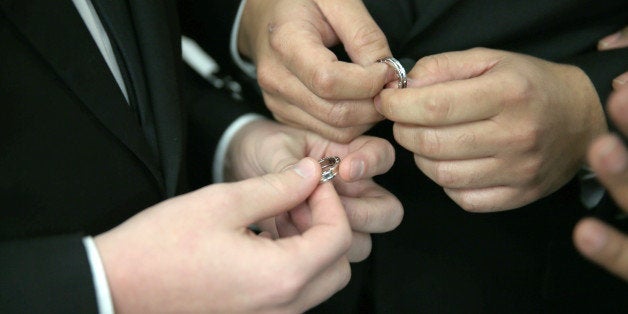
x,y
496,130
195,253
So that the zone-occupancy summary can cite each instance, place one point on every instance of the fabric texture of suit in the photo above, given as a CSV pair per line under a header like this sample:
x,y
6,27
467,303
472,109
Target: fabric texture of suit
x,y
445,260
76,158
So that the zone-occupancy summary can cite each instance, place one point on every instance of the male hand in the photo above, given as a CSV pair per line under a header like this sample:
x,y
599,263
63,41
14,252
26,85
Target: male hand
x,y
266,147
608,157
303,82
496,130
195,254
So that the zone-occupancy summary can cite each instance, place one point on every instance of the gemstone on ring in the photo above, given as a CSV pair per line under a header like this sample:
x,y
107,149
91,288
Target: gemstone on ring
x,y
328,166
399,69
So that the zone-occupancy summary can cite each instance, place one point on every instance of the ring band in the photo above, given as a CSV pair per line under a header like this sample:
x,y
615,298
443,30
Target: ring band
x,y
328,165
401,72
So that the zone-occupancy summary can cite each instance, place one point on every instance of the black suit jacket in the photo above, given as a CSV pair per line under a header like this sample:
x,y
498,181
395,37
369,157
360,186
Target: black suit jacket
x,y
445,260
75,157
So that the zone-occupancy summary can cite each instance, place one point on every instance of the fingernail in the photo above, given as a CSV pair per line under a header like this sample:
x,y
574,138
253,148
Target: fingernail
x,y
609,40
594,238
303,168
357,169
614,159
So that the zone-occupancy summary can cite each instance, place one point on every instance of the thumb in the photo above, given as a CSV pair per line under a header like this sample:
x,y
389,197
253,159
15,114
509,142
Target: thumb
x,y
362,38
614,41
451,66
267,196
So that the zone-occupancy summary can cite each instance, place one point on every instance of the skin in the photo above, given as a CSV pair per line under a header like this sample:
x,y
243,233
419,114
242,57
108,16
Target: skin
x,y
302,81
370,208
608,157
497,130
195,253
498,152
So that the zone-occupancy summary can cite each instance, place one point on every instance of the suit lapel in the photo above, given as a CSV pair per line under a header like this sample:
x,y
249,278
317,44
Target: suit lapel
x,y
57,32
160,44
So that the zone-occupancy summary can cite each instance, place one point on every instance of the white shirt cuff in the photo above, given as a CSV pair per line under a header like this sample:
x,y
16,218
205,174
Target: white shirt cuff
x,y
246,67
103,296
223,144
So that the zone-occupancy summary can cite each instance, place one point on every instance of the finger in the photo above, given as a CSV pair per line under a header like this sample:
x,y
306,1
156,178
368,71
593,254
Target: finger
x,y
493,199
457,142
329,236
367,157
361,246
471,174
452,66
615,40
374,211
618,109
301,45
362,38
603,244
296,117
447,103
608,157
263,197
288,91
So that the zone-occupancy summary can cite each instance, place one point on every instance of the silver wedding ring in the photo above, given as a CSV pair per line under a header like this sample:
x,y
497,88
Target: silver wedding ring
x,y
401,72
329,165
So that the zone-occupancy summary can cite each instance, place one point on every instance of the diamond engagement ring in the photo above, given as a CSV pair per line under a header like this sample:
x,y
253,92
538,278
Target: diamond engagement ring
x,y
328,165
401,72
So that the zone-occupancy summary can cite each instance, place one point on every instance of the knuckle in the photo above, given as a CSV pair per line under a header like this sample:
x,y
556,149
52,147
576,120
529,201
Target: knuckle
x,y
340,115
519,89
429,142
267,77
527,138
469,202
361,219
275,184
345,135
322,82
369,36
288,284
278,36
444,175
436,111
531,171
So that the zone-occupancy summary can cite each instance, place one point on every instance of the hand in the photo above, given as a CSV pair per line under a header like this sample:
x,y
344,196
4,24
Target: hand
x,y
194,253
615,41
302,81
496,130
609,159
266,147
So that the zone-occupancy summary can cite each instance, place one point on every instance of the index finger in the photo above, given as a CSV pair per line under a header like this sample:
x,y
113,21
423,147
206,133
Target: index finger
x,y
300,44
447,103
362,38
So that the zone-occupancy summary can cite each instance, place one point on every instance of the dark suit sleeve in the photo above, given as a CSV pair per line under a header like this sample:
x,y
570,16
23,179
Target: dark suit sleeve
x,y
61,261
602,67
210,24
